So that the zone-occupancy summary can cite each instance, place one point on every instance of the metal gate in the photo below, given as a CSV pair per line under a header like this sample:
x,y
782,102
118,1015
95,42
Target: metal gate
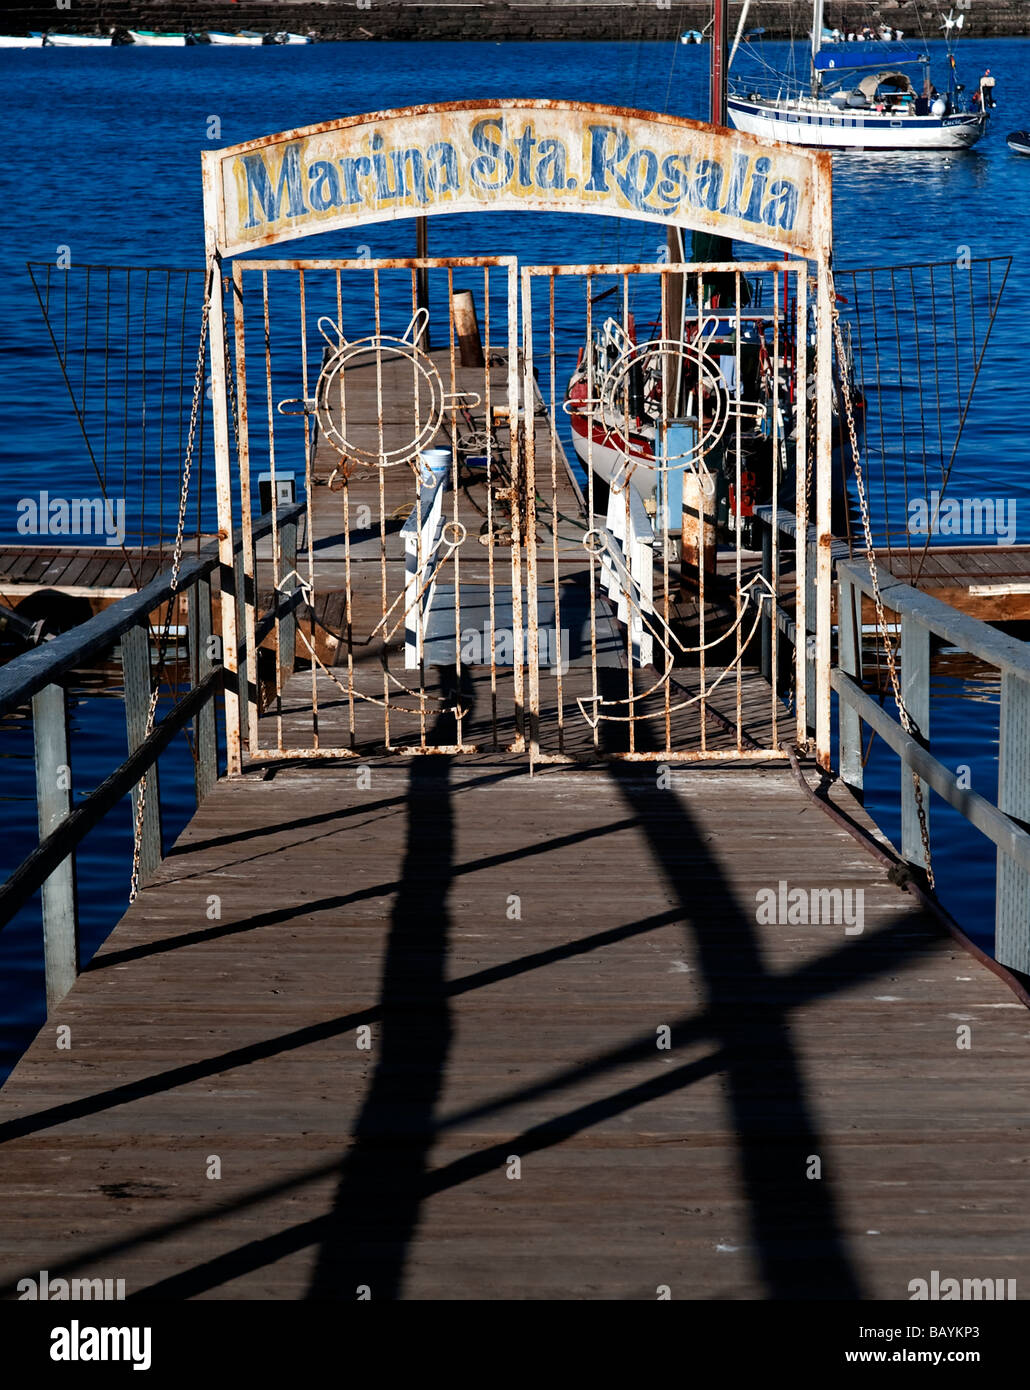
x,y
690,403
506,550
383,395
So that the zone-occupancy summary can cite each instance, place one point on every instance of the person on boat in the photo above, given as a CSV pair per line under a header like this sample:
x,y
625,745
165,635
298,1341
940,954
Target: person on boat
x,y
987,90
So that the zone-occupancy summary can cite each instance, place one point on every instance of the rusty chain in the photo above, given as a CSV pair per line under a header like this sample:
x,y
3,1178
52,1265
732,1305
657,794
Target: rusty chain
x,y
881,616
177,552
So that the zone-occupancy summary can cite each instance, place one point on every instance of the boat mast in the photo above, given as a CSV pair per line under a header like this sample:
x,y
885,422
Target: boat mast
x,y
740,29
817,40
720,62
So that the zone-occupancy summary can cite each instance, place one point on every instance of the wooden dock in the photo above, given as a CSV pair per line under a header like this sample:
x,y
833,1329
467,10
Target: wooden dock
x,y
437,1027
990,582
515,989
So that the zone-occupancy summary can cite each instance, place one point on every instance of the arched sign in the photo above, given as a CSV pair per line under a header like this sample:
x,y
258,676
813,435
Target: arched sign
x,y
512,156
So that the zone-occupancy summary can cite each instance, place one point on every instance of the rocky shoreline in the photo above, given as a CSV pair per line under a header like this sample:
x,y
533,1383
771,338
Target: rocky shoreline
x,y
371,20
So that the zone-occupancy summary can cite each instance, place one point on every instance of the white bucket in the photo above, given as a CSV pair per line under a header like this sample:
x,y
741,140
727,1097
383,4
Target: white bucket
x,y
436,462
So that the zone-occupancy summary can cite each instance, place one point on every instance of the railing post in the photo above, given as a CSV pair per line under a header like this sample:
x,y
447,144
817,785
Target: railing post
x,y
811,627
1012,893
136,678
242,653
915,692
767,606
849,658
205,748
287,645
53,801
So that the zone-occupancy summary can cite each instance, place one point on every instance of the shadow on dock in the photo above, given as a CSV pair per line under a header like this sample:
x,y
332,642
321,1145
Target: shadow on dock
x,y
395,1161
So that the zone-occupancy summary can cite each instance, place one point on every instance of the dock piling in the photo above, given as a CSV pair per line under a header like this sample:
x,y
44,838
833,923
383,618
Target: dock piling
x,y
136,675
205,772
915,691
1012,892
849,659
54,801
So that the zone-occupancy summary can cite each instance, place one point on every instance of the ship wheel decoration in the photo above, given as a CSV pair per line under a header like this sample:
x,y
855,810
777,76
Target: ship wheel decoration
x,y
375,444
653,374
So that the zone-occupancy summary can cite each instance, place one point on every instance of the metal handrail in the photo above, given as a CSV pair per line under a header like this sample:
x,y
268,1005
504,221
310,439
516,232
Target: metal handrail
x,y
38,675
921,616
972,635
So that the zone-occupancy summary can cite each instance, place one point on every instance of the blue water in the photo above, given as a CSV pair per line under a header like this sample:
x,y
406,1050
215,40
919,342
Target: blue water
x,y
104,161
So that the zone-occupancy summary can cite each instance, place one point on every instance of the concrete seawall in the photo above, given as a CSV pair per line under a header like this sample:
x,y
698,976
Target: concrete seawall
x,y
494,19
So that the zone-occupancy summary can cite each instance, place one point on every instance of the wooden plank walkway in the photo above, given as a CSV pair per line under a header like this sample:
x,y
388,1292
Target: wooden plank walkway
x,y
400,1024
515,944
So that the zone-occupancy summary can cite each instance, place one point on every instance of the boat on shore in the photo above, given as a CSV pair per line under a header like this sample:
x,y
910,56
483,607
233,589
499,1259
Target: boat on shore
x,y
247,40
77,41
148,38
860,97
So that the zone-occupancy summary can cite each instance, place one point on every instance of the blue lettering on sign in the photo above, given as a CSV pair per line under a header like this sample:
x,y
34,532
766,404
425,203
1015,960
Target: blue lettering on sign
x,y
324,185
673,189
616,171
494,167
707,185
603,156
782,208
442,175
259,187
550,172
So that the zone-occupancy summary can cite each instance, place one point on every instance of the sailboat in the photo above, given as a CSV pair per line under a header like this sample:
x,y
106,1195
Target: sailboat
x,y
861,97
617,398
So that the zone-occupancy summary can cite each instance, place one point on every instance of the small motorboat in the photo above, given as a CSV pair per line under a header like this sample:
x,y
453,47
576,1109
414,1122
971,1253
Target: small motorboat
x,y
1018,141
292,38
248,39
147,38
21,40
78,41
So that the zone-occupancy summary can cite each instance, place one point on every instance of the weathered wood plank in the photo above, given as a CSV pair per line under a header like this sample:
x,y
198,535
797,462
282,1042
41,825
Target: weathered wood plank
x,y
532,1034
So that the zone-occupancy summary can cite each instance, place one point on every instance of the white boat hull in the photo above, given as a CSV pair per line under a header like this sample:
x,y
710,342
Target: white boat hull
x,y
77,41
158,40
852,129
237,40
28,41
606,459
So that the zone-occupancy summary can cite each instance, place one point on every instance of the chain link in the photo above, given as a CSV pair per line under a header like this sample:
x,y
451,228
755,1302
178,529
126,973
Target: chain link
x,y
180,531
881,616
